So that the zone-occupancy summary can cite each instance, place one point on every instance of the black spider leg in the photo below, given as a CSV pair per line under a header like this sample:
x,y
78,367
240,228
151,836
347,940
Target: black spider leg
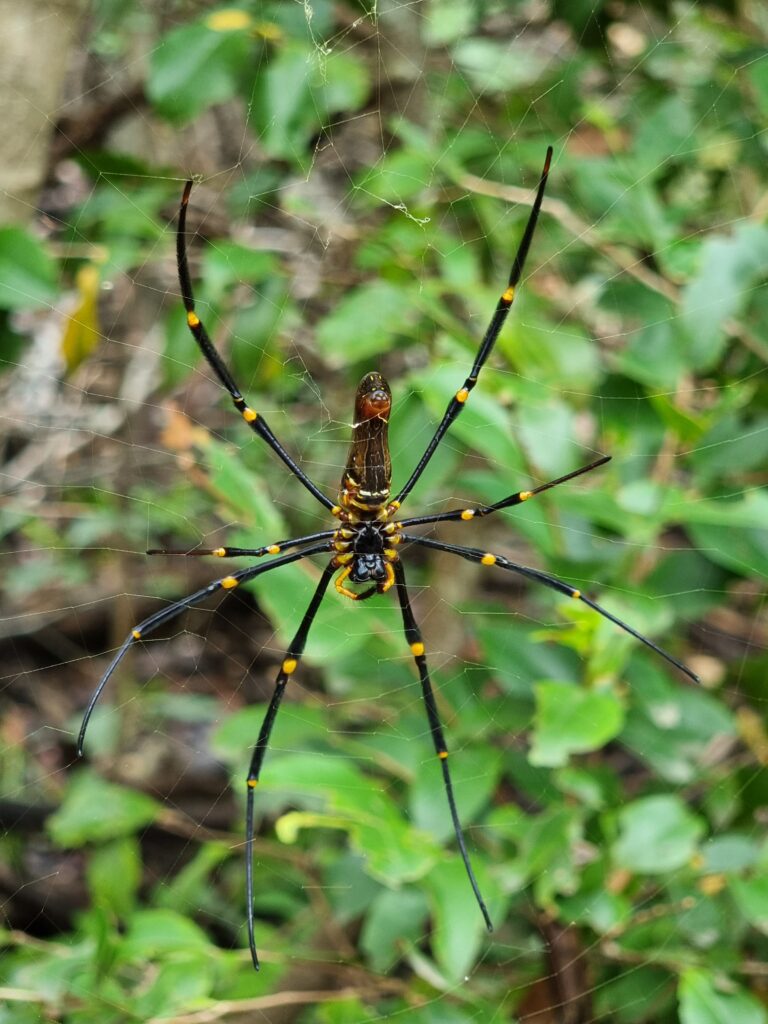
x,y
467,514
255,421
288,667
149,625
227,552
458,401
487,558
413,636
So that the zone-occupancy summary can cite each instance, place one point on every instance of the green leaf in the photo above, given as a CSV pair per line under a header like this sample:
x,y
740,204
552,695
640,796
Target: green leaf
x,y
366,322
27,273
730,853
570,720
193,68
516,661
114,873
639,996
750,512
751,896
94,810
734,445
701,1002
155,933
670,727
186,981
448,20
395,920
394,852
399,177
550,354
758,75
228,264
546,431
459,930
496,66
296,93
658,834
245,492
741,551
340,82
182,891
730,267
547,846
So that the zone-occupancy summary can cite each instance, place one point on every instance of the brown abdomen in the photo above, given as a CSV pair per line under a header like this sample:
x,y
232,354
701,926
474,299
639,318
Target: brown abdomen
x,y
366,480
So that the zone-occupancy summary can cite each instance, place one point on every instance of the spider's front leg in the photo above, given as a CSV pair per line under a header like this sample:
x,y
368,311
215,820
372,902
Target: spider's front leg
x,y
255,420
493,330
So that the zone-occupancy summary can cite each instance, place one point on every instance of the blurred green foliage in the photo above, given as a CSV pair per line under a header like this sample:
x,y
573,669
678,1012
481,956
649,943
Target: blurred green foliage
x,y
598,791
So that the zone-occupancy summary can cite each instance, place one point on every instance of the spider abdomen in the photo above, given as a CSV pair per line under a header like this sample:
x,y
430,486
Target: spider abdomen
x,y
365,484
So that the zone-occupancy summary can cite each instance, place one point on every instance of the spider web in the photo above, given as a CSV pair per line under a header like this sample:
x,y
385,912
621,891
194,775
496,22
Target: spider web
x,y
377,233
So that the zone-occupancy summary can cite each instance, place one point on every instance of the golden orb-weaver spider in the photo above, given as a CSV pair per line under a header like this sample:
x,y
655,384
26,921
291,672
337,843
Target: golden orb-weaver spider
x,y
365,544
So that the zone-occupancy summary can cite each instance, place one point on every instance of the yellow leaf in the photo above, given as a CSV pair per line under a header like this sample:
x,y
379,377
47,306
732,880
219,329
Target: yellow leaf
x,y
82,334
229,20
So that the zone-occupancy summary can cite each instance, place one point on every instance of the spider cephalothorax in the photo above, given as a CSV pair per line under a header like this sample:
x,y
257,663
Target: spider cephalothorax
x,y
366,554
363,547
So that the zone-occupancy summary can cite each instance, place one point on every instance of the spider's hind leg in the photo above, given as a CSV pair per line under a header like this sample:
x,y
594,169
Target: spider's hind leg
x,y
413,636
287,668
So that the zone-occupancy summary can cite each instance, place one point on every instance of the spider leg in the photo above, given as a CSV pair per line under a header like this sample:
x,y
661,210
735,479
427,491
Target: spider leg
x,y
288,667
413,636
150,624
224,552
503,306
466,514
487,558
255,421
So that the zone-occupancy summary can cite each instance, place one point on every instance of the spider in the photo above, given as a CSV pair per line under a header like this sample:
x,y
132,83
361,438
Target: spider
x,y
365,544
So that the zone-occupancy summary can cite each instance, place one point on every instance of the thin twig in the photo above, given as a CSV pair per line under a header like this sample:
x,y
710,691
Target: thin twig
x,y
228,1007
564,215
623,259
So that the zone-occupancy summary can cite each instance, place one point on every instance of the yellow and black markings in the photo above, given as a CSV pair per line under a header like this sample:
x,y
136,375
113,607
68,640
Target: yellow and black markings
x,y
345,591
